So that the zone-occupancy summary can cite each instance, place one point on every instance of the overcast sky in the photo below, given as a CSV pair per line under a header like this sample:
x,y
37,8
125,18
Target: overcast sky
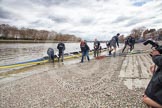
x,y
87,19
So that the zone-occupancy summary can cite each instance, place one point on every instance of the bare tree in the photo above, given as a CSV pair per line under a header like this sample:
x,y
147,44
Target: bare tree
x,y
11,32
138,32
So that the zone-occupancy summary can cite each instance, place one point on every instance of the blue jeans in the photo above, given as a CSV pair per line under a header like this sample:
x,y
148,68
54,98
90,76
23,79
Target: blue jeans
x,y
85,53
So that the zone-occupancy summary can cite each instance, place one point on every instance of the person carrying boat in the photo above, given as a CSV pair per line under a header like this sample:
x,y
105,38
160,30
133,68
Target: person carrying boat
x,y
61,48
96,48
85,50
50,53
108,47
113,43
133,42
128,42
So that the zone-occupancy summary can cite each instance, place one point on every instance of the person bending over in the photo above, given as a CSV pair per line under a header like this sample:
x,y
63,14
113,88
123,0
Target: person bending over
x,y
50,53
129,42
113,43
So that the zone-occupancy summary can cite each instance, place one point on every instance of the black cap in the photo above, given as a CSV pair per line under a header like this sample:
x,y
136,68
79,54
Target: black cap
x,y
118,34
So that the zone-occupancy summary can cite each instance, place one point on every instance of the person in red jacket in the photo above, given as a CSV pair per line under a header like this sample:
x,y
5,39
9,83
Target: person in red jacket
x,y
85,50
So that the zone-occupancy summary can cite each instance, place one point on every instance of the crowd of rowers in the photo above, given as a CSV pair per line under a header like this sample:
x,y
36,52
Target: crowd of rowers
x,y
111,46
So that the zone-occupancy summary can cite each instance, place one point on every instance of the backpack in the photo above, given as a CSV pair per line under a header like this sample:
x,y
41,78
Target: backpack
x,y
50,51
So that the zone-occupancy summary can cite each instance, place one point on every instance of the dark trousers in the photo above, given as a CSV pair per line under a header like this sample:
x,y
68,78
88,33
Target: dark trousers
x,y
61,55
96,52
131,47
124,48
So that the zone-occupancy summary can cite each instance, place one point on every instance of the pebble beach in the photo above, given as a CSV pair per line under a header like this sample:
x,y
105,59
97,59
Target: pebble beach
x,y
109,82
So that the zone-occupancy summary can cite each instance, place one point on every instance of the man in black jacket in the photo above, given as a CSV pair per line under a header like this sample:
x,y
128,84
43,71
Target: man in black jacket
x,y
61,48
153,93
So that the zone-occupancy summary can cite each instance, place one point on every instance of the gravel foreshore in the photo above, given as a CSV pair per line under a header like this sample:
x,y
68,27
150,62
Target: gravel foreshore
x,y
110,82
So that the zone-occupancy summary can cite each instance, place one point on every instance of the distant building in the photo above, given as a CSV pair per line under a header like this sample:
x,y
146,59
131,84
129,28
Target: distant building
x,y
152,33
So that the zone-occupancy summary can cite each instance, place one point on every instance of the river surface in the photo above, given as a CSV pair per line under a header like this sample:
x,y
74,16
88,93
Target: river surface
x,y
11,53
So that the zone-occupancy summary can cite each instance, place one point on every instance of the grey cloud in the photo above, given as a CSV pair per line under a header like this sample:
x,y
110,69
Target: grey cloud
x,y
39,23
4,14
120,19
158,5
36,22
87,21
47,2
75,31
56,2
157,21
71,31
64,3
133,22
59,19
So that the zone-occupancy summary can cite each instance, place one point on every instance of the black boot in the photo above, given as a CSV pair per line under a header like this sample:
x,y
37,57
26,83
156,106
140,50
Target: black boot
x,y
109,52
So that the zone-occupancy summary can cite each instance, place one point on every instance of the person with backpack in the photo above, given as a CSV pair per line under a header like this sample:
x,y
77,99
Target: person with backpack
x,y
113,42
85,50
61,48
96,48
50,53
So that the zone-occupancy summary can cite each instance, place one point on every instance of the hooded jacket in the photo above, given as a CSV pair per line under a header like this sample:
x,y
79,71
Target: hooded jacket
x,y
154,88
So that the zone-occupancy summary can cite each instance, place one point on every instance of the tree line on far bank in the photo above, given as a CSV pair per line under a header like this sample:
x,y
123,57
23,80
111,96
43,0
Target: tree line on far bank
x,y
8,32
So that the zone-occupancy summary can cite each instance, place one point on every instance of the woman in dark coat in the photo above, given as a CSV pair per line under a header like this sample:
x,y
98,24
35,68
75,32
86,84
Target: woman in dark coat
x,y
153,93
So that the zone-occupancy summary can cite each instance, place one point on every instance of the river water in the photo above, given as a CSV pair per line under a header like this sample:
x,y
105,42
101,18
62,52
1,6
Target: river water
x,y
11,53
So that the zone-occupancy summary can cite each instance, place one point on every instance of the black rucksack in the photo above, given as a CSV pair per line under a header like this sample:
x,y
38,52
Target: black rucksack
x,y
50,51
